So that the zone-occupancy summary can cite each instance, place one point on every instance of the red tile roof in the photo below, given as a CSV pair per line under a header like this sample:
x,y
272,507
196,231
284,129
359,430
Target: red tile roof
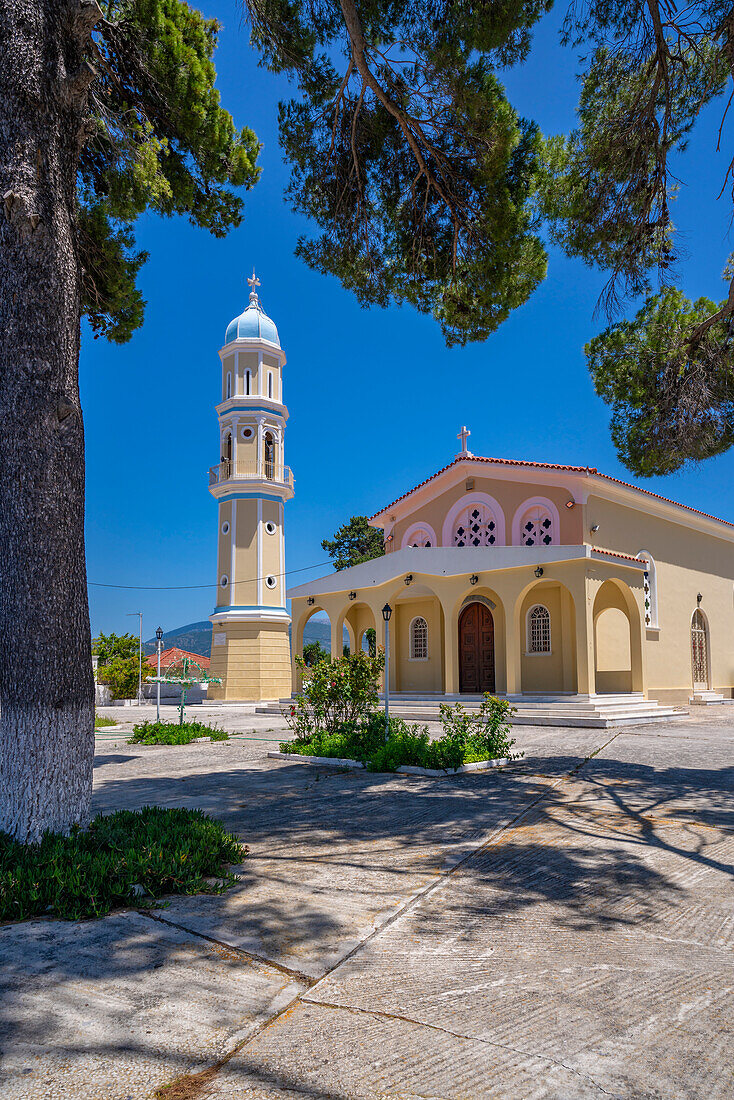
x,y
588,470
174,656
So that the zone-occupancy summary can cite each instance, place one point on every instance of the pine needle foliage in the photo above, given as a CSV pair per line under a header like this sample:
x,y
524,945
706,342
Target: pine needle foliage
x,y
406,153
156,139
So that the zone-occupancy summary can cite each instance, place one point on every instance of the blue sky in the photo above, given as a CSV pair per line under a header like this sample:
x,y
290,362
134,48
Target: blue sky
x,y
375,397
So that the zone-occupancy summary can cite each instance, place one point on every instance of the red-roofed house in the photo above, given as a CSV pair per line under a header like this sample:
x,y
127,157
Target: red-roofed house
x,y
173,656
551,584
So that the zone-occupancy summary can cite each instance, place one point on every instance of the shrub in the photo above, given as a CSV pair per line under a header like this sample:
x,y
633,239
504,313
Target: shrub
x,y
337,694
467,737
121,675
171,733
154,851
478,735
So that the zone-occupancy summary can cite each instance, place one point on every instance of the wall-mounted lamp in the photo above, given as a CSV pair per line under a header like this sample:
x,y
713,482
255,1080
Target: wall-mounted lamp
x,y
473,579
352,595
539,571
699,597
571,503
310,601
388,539
595,528
409,578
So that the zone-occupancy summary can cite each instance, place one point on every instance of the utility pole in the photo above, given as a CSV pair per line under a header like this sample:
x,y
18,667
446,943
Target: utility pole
x,y
140,655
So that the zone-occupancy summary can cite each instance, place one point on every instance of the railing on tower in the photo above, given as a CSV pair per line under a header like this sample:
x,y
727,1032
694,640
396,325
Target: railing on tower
x,y
250,471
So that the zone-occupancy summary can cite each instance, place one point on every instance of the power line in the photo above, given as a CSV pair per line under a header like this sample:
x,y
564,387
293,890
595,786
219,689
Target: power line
x,y
189,587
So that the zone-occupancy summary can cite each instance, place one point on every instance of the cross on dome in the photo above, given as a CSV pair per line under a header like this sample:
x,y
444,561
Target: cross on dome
x,y
254,283
463,436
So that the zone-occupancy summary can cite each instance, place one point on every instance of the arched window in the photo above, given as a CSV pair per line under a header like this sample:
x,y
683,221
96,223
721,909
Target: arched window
x,y
247,383
699,649
270,383
650,583
227,456
269,456
536,527
475,525
419,639
421,537
538,630
229,383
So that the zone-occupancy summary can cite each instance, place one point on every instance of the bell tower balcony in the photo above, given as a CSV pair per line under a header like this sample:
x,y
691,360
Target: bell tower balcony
x,y
263,476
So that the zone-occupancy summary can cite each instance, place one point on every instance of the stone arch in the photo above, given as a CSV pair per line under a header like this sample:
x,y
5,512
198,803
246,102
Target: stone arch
x,y
617,642
447,533
521,513
297,630
358,618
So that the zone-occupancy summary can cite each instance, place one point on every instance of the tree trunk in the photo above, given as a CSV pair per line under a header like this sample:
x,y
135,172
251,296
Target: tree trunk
x,y
46,684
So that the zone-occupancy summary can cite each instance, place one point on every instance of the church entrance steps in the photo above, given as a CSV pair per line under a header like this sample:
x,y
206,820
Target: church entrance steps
x,y
579,711
705,698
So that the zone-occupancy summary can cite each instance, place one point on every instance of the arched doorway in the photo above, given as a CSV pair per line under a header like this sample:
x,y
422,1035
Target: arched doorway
x,y
476,649
700,651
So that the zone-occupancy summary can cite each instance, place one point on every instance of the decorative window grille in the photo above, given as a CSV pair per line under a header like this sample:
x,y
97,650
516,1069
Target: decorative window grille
x,y
650,589
699,649
475,526
536,528
419,639
539,635
420,537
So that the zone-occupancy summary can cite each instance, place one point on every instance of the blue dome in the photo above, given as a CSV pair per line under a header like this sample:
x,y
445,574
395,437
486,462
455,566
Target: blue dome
x,y
253,324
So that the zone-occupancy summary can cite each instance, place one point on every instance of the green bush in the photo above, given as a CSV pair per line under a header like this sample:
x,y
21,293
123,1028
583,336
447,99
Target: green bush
x,y
171,733
121,676
336,694
120,857
467,737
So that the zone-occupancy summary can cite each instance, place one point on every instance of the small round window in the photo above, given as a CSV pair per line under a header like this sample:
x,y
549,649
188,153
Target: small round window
x,y
247,433
224,581
225,528
270,527
270,582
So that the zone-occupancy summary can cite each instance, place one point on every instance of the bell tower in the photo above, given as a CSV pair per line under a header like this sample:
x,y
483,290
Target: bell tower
x,y
251,483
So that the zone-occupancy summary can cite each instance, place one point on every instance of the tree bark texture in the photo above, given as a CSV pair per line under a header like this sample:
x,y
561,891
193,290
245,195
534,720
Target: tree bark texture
x,y
46,684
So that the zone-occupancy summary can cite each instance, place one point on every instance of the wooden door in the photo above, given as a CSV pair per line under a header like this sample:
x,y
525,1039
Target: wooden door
x,y
476,649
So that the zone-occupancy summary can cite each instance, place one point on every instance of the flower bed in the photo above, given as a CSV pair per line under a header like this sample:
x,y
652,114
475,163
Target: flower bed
x,y
175,733
468,737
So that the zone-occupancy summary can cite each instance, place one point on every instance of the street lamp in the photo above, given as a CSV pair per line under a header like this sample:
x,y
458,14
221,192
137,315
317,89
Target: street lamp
x,y
158,645
386,613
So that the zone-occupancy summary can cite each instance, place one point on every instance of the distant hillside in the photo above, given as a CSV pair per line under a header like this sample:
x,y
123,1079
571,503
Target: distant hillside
x,y
197,637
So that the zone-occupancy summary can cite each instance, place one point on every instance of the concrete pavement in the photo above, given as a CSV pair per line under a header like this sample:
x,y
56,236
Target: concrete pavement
x,y
562,929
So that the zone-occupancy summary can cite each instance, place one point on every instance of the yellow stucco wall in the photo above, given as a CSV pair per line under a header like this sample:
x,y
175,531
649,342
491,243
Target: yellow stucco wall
x,y
554,672
687,562
413,674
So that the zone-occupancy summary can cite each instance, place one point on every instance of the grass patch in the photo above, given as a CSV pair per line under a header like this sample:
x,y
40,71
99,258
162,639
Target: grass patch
x,y
100,722
467,738
126,858
171,733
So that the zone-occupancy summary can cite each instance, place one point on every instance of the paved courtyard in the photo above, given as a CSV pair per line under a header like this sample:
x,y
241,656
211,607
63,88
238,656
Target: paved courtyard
x,y
562,928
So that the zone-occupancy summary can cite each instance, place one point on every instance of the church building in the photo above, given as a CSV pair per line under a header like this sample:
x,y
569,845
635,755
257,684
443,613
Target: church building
x,y
540,582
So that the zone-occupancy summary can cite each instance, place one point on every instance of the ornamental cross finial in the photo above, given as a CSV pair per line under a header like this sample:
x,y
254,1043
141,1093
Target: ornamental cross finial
x,y
254,283
463,436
